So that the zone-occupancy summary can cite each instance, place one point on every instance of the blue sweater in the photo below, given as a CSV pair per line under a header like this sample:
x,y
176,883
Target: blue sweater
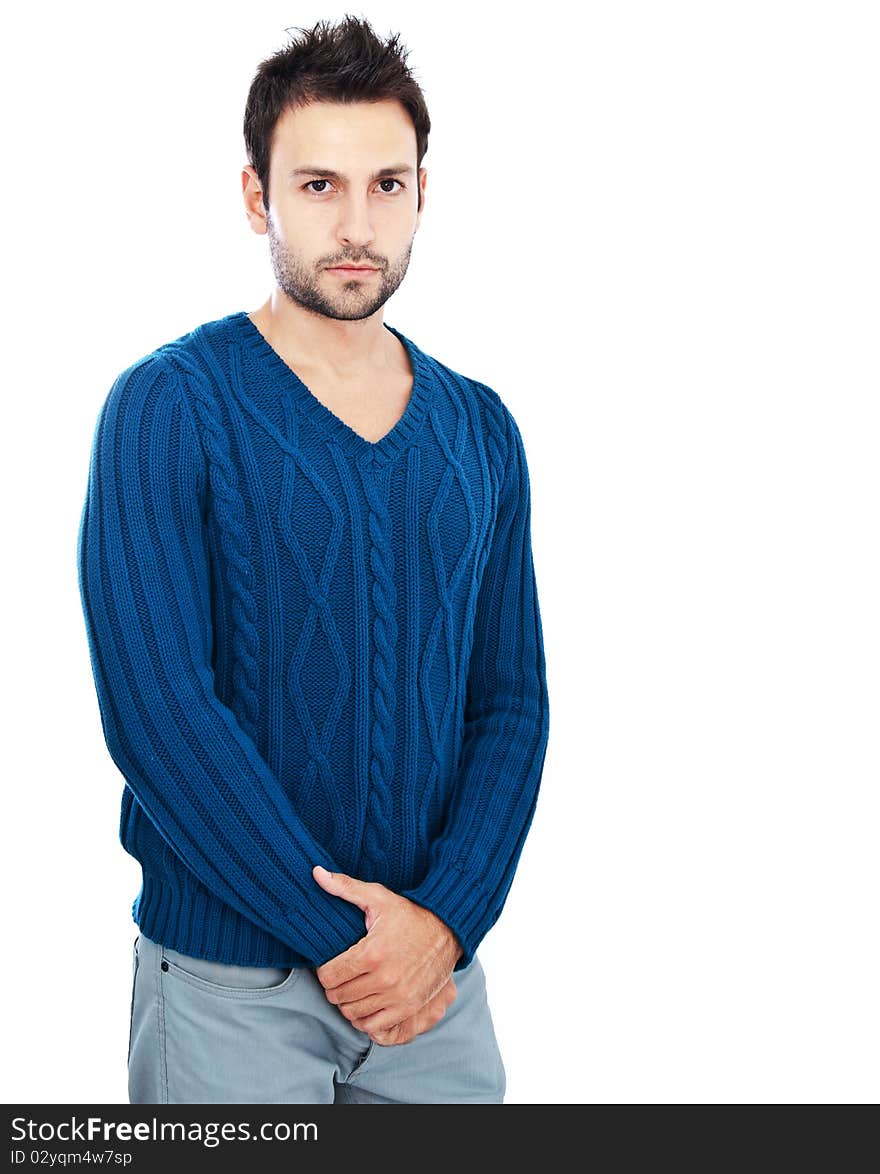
x,y
309,648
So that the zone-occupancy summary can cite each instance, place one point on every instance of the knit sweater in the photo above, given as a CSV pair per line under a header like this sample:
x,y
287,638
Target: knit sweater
x,y
309,648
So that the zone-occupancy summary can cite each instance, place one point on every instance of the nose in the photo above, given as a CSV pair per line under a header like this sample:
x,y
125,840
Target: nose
x,y
355,227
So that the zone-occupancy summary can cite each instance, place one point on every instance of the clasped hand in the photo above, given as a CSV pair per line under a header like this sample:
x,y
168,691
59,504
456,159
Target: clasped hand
x,y
396,982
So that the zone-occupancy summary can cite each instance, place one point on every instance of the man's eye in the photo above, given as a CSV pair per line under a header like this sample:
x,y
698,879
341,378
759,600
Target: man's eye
x,y
381,181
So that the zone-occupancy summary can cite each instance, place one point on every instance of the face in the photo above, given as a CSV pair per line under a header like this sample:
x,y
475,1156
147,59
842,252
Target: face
x,y
356,217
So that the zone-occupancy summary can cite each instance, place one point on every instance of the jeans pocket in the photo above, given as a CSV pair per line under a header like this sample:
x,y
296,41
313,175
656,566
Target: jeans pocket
x,y
228,980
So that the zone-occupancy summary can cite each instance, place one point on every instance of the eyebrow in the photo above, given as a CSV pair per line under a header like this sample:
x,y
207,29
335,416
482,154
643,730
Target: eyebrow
x,y
326,173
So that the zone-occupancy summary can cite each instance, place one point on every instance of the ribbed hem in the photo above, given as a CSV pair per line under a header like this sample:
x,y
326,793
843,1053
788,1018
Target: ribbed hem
x,y
196,923
459,903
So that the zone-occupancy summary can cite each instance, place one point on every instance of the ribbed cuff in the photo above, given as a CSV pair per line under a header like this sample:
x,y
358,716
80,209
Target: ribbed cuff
x,y
461,904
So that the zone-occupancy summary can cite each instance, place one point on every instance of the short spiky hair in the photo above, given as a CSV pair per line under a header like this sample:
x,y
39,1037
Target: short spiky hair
x,y
345,62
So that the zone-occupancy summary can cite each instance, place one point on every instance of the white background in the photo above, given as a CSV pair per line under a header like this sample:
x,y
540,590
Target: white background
x,y
653,229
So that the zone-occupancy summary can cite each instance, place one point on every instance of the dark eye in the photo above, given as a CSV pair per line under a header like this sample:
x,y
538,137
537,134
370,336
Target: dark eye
x,y
381,181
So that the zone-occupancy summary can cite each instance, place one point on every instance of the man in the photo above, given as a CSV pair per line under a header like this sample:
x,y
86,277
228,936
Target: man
x,y
306,572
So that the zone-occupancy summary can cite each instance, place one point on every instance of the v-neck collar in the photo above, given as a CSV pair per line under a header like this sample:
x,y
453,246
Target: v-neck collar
x,y
379,451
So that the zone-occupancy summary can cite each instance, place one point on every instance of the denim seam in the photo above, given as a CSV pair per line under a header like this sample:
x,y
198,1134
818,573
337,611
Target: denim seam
x,y
135,962
163,1054
359,1067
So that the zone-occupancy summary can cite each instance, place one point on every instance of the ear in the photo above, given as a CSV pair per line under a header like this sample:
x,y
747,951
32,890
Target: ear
x,y
252,191
423,177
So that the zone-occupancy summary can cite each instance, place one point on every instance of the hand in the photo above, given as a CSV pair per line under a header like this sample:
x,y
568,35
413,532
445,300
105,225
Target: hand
x,y
423,1020
406,959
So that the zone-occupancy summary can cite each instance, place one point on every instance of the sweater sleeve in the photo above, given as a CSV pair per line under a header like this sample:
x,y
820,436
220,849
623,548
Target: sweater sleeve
x,y
144,581
506,730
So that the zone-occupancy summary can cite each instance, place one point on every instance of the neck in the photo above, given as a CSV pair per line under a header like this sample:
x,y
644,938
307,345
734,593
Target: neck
x,y
337,349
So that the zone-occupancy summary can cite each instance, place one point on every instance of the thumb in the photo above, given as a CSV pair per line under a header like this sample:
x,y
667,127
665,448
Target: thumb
x,y
351,889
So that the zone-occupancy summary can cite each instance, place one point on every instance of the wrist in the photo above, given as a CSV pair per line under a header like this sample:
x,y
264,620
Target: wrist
x,y
451,947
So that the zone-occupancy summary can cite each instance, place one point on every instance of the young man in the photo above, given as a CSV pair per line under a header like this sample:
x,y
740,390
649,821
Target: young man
x,y
306,574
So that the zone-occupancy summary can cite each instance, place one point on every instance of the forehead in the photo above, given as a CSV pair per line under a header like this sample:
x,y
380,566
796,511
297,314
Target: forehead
x,y
356,133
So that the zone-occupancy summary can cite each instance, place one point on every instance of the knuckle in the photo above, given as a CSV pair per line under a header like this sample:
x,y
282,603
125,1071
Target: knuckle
x,y
384,975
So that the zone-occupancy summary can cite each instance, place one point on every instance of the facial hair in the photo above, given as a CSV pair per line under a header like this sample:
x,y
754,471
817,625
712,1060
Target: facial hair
x,y
352,300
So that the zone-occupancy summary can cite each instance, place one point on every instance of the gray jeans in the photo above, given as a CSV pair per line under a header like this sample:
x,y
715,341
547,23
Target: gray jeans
x,y
210,1033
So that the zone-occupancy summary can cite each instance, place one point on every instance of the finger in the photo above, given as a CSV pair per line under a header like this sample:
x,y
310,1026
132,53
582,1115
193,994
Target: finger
x,y
429,1016
363,1007
355,989
387,1009
350,964
351,889
402,1034
383,1020
406,1031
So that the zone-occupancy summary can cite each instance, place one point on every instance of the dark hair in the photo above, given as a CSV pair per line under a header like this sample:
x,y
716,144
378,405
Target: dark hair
x,y
345,62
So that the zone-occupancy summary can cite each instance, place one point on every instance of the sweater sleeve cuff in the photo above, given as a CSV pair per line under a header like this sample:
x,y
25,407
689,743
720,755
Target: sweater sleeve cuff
x,y
461,904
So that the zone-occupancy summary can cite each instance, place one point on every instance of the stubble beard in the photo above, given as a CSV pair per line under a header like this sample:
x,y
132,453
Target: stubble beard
x,y
354,300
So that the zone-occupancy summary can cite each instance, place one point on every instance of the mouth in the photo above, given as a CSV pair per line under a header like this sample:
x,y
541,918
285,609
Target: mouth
x,y
351,269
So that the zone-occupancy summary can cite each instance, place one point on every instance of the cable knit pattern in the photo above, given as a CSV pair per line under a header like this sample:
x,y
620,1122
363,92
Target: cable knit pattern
x,y
227,505
378,830
300,479
309,648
